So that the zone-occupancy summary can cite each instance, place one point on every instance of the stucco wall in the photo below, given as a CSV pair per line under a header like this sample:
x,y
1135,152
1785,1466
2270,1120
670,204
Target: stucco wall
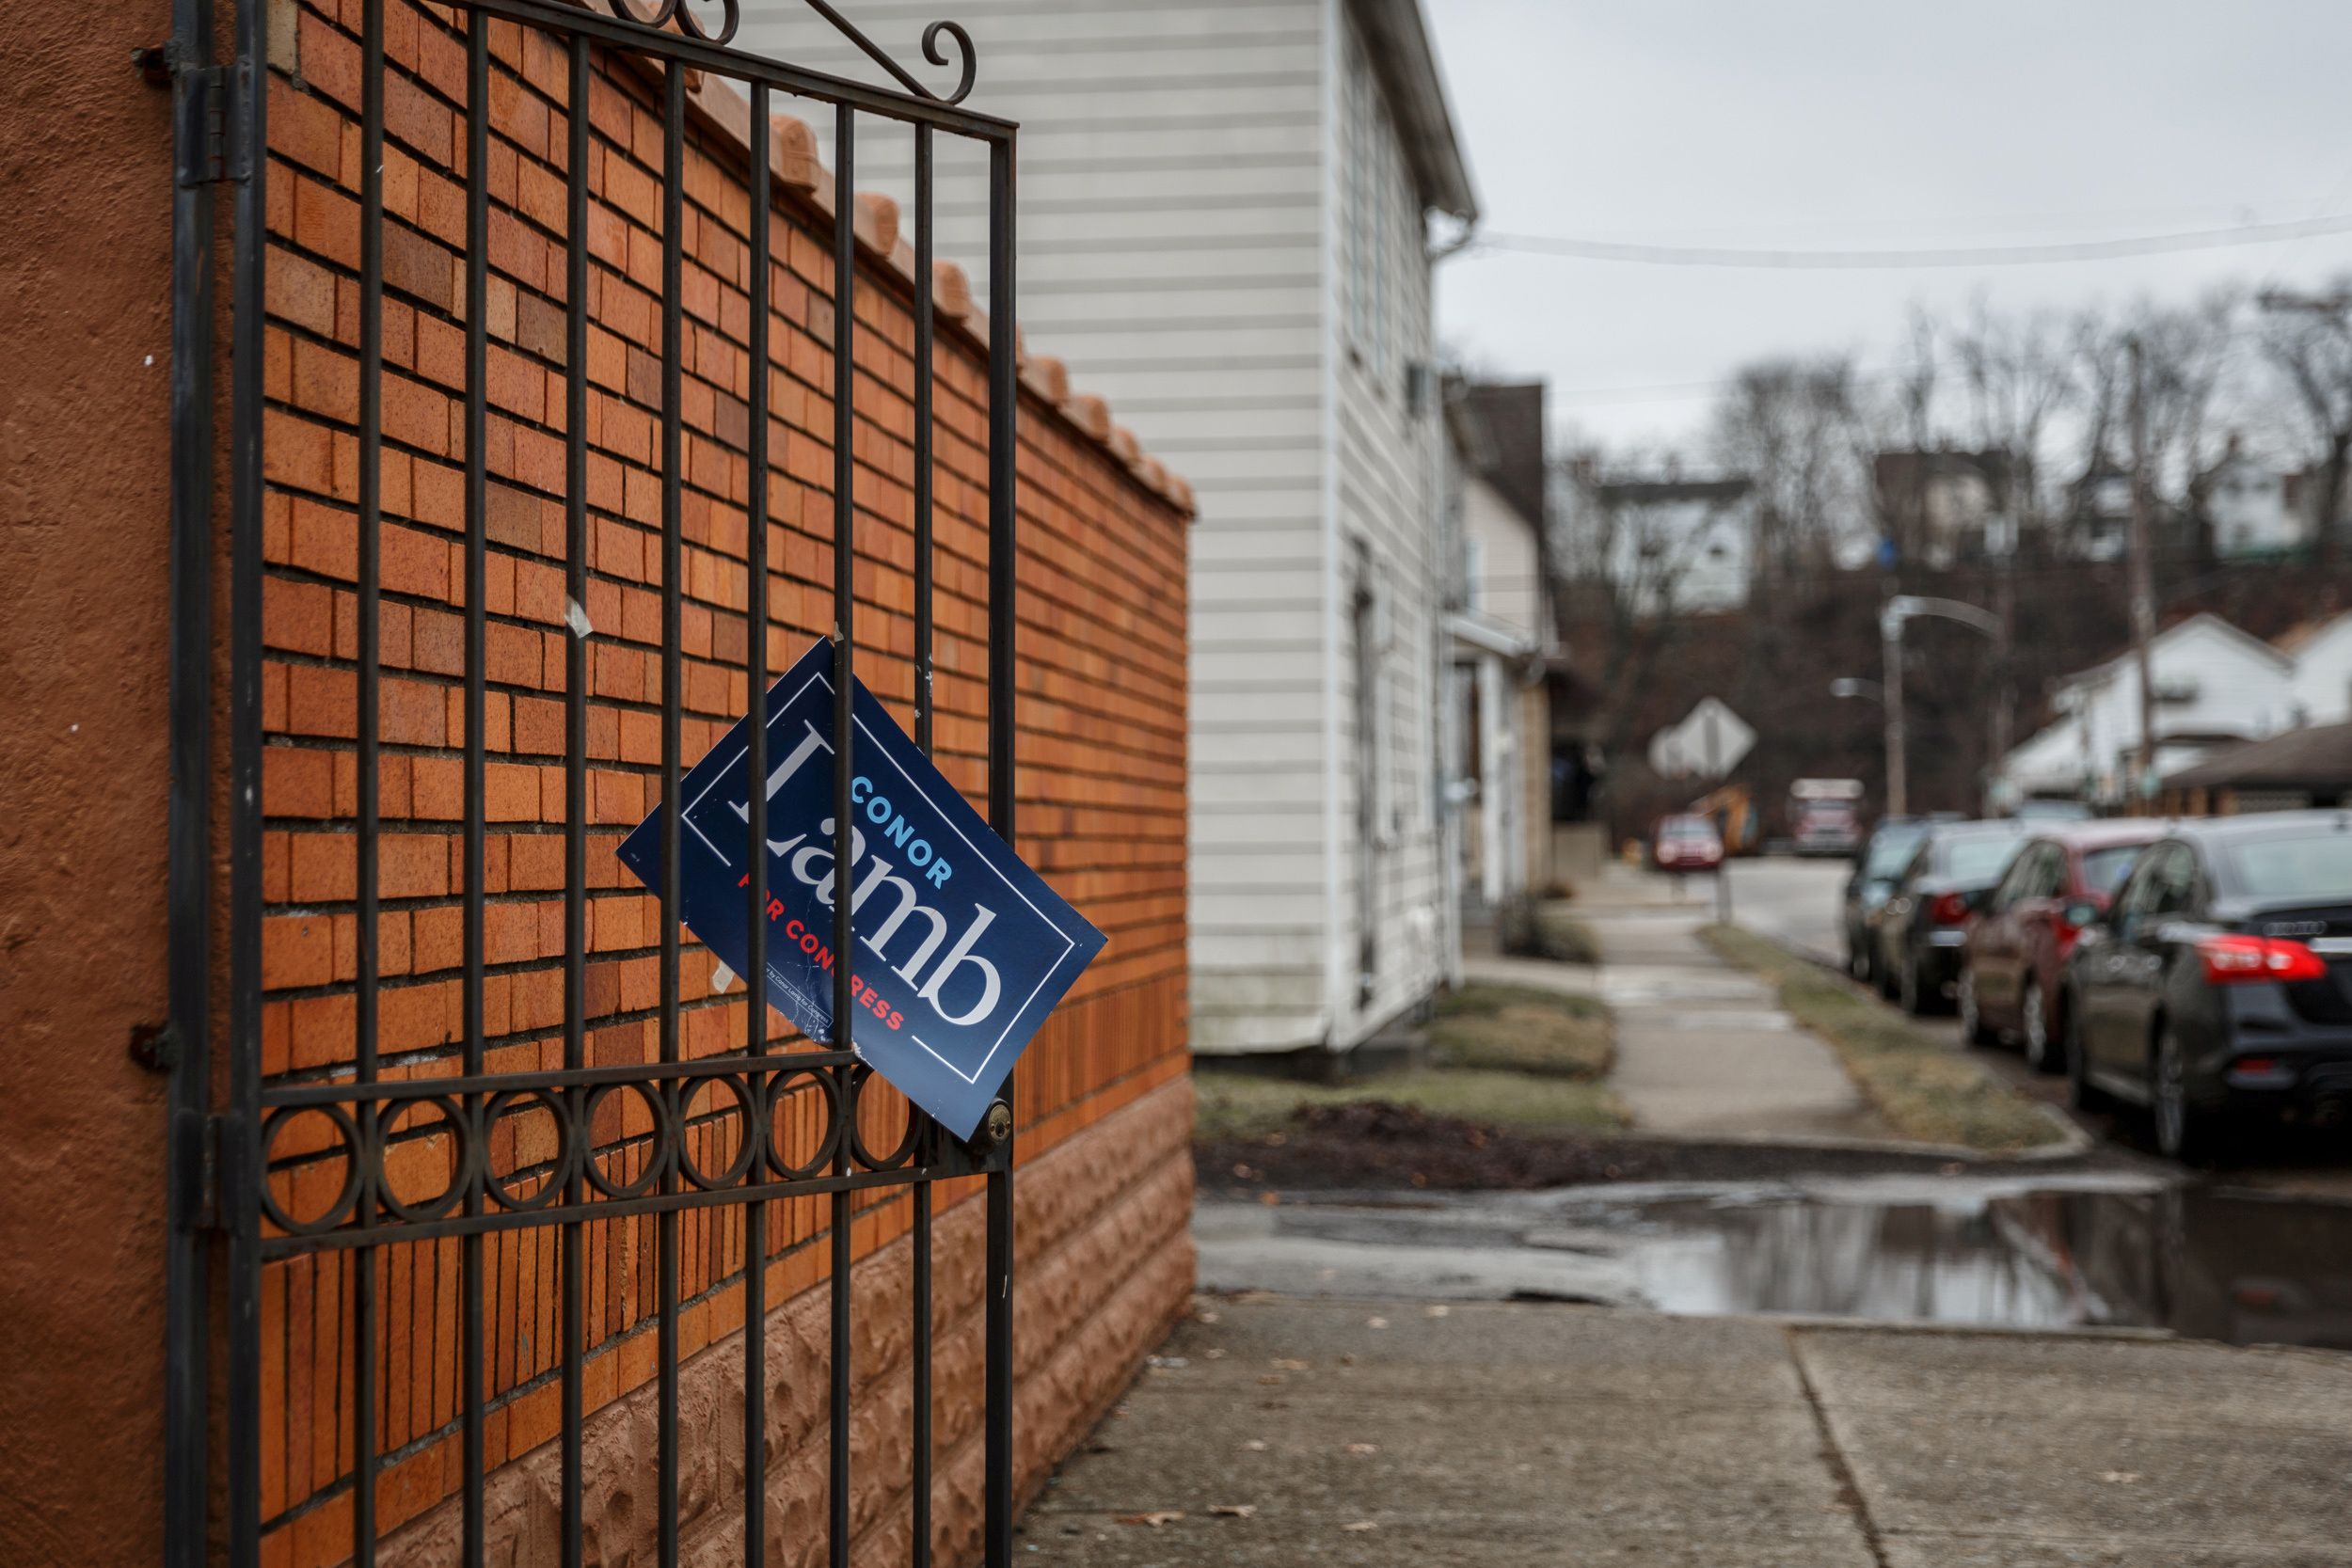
x,y
85,281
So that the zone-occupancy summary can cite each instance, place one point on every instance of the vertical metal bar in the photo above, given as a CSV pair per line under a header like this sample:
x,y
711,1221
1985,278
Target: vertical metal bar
x,y
477,515
1002,585
187,1297
755,841
371,716
240,1140
576,780
921,1478
844,685
672,267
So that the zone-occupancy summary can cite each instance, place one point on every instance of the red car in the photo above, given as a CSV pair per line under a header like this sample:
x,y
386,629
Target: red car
x,y
2017,945
1687,843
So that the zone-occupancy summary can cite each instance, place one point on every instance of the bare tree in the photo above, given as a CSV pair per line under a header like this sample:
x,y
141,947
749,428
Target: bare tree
x,y
2020,374
1790,427
2308,341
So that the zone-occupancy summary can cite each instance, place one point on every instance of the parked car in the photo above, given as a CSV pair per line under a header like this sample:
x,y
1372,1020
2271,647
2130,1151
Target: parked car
x,y
1875,867
1919,929
2012,963
1686,843
2220,982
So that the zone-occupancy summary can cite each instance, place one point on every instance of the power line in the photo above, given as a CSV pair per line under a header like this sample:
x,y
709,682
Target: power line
x,y
1977,255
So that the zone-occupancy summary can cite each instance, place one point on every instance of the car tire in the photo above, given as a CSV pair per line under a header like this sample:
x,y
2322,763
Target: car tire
x,y
1888,980
2044,1051
1973,1028
2081,1092
2184,1131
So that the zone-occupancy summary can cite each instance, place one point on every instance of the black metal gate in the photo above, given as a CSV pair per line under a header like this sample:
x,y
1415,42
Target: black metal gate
x,y
382,1165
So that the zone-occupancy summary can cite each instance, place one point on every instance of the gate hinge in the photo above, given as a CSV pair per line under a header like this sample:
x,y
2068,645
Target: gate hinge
x,y
197,1138
211,144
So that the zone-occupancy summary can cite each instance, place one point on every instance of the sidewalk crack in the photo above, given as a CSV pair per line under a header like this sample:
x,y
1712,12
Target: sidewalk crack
x,y
1841,1473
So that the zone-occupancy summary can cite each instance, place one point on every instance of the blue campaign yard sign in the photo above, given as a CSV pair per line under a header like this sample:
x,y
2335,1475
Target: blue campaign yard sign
x,y
962,950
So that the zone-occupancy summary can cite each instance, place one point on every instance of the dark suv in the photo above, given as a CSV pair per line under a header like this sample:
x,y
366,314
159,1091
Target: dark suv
x,y
2220,980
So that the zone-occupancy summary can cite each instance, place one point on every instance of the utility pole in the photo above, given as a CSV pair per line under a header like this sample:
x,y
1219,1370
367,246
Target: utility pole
x,y
1891,650
2143,590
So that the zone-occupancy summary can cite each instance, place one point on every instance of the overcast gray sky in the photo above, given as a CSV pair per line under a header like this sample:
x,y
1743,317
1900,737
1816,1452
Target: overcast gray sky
x,y
1837,124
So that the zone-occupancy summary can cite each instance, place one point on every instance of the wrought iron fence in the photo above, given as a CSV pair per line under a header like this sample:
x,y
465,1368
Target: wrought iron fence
x,y
381,1156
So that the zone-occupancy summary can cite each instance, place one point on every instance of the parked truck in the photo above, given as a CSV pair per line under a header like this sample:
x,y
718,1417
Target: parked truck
x,y
1825,815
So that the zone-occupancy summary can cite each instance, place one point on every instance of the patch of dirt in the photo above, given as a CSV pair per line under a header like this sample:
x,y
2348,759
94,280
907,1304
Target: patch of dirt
x,y
1379,1145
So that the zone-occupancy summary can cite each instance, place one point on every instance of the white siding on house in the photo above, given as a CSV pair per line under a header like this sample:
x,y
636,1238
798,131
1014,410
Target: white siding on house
x,y
2211,681
1218,235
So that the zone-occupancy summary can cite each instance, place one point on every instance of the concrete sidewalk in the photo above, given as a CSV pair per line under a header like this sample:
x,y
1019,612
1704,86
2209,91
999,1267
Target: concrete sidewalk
x,y
1703,1047
1282,1430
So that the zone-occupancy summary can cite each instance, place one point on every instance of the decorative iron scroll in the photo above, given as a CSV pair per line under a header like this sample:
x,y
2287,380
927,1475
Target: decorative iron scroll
x,y
681,13
745,1093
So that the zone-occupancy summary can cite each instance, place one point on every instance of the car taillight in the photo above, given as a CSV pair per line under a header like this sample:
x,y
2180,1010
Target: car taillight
x,y
1949,908
2230,959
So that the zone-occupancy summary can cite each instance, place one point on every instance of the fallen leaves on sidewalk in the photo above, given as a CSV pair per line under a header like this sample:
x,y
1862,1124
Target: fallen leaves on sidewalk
x,y
1363,1448
1362,1525
1232,1511
1157,1517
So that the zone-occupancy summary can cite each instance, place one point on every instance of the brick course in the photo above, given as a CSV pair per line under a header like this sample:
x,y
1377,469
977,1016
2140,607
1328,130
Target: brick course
x,y
1105,1173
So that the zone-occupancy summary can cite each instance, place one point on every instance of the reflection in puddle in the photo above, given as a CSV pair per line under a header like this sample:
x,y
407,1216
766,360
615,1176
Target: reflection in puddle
x,y
2222,1265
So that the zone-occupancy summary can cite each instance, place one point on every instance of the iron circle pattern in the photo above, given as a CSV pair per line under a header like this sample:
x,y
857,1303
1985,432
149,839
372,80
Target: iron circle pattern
x,y
932,52
664,1137
567,1154
354,1156
778,1085
461,1177
859,1076
754,1132
681,13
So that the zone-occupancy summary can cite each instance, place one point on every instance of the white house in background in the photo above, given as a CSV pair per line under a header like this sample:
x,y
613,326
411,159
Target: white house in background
x,y
2213,685
1500,620
2323,671
1225,217
2245,500
1669,546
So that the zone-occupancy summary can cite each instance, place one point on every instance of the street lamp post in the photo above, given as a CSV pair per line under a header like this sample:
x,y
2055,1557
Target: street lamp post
x,y
1896,611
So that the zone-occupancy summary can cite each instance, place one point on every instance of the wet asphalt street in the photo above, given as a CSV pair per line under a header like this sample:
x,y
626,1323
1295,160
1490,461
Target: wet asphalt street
x,y
1797,903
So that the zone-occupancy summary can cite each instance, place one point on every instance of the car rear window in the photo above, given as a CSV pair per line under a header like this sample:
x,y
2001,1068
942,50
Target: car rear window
x,y
2319,866
1980,859
1889,852
2103,869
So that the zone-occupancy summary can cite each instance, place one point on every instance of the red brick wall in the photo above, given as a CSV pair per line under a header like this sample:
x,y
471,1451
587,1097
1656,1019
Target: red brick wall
x,y
1103,705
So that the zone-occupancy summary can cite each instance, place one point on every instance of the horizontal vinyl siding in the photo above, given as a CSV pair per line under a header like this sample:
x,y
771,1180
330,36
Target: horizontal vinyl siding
x,y
1170,217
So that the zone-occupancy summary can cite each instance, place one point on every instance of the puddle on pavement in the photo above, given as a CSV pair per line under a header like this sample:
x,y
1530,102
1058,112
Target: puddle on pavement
x,y
2236,1266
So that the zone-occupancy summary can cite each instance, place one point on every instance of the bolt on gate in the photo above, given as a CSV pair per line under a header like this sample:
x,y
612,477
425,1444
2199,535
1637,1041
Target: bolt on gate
x,y
450,1195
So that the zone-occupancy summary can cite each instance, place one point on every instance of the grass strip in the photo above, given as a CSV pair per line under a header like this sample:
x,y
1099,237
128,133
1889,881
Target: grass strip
x,y
1508,1029
1923,1088
1238,1104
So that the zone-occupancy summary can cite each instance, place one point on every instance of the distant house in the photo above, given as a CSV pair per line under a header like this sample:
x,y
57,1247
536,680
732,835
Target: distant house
x,y
2301,768
1668,546
1940,507
2322,670
1500,624
2215,686
2246,505
2099,523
